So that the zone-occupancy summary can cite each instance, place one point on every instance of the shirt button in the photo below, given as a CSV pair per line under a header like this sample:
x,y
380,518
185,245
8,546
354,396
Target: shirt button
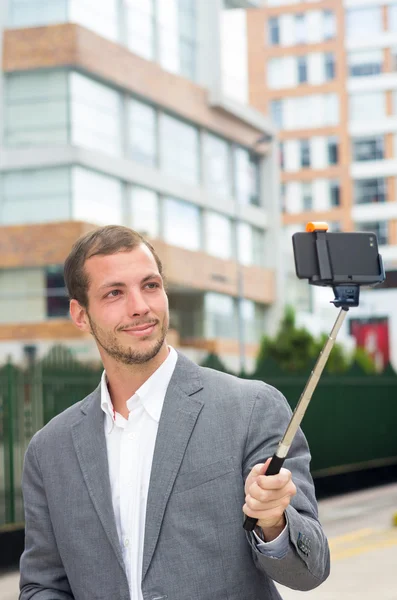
x,y
126,542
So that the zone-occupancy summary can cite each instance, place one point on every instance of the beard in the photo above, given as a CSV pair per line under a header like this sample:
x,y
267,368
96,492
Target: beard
x,y
127,355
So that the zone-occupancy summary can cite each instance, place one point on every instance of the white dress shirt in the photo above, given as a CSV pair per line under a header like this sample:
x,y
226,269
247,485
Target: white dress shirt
x,y
130,447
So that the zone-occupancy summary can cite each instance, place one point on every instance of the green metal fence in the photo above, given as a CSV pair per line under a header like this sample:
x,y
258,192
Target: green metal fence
x,y
350,423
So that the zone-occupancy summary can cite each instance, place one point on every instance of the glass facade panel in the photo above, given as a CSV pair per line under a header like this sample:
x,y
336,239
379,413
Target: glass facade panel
x,y
300,29
36,108
332,150
102,17
334,193
368,191
365,63
95,115
218,235
329,65
247,176
245,244
305,153
141,27
179,149
220,315
31,13
187,38
302,69
379,228
182,225
144,212
276,113
97,198
273,31
307,195
363,22
176,27
56,293
142,133
35,196
392,17
329,24
367,106
217,165
368,148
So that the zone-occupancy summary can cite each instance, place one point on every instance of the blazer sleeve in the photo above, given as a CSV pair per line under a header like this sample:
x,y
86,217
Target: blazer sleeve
x,y
307,562
42,575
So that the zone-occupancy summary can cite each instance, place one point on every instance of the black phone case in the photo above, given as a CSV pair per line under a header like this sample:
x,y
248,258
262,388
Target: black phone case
x,y
352,255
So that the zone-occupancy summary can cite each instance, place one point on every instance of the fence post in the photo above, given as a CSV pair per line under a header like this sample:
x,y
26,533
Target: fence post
x,y
9,428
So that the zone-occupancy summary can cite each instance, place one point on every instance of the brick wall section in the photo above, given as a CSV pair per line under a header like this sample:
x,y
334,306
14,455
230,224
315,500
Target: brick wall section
x,y
71,45
38,245
41,245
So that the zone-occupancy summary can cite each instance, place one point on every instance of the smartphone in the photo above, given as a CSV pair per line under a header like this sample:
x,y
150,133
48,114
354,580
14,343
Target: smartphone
x,y
353,258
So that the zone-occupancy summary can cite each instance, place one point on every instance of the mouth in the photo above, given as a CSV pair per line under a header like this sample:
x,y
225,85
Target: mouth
x,y
140,330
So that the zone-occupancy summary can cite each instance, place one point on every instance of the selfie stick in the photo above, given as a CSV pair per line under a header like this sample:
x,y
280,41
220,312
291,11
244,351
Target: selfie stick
x,y
346,296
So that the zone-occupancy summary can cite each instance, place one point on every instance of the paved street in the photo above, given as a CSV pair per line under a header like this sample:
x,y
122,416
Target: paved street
x,y
363,547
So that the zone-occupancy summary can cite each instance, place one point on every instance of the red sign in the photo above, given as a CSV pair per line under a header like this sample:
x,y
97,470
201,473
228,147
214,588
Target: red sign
x,y
373,336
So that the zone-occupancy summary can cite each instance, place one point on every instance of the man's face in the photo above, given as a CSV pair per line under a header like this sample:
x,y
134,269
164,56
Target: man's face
x,y
127,305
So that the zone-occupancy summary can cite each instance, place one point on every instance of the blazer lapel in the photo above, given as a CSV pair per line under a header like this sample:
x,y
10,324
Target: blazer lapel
x,y
90,445
178,418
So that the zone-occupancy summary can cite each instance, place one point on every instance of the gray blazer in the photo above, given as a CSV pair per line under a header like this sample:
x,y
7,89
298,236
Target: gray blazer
x,y
213,429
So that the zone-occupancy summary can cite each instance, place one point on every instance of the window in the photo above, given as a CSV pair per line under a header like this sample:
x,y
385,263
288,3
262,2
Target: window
x,y
95,115
334,192
281,148
302,69
329,65
365,63
329,24
36,108
274,31
220,316
305,153
217,165
363,22
35,196
30,13
56,295
307,195
182,225
142,133
104,20
300,29
368,148
144,211
392,17
394,58
332,150
276,113
250,245
367,106
247,176
369,190
96,198
179,149
379,228
218,236
140,25
187,20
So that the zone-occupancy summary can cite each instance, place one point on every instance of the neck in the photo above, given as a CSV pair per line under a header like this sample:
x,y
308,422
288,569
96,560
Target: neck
x,y
125,380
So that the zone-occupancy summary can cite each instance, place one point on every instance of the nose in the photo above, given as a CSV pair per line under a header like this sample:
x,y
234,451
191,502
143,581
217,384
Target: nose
x,y
136,304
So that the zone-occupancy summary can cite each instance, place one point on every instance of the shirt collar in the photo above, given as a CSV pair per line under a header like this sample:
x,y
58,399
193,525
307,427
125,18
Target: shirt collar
x,y
151,393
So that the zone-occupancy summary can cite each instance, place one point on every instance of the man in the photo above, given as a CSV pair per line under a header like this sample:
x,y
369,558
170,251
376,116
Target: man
x,y
139,491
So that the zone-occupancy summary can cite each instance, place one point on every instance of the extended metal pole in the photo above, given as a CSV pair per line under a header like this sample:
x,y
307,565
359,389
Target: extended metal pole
x,y
281,453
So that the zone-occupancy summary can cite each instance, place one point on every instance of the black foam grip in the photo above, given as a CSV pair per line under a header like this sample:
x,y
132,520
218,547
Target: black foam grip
x,y
274,467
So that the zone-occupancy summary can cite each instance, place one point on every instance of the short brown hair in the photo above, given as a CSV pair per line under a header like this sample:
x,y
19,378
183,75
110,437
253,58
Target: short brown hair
x,y
102,241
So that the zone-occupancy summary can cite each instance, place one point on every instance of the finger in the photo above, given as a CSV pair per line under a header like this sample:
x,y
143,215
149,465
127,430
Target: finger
x,y
272,495
255,472
259,506
274,482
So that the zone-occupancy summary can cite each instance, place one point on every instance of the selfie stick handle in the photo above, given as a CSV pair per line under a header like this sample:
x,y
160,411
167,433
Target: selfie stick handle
x,y
281,453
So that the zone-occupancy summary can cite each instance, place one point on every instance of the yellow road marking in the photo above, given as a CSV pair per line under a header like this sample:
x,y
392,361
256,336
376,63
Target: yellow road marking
x,y
349,537
381,539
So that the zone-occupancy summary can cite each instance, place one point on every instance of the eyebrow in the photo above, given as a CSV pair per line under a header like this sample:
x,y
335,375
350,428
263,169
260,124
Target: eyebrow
x,y
123,285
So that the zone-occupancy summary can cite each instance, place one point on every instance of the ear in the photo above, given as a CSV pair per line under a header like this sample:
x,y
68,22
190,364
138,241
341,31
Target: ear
x,y
79,316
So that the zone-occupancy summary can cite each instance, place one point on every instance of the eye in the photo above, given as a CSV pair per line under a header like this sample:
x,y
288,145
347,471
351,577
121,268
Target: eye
x,y
113,294
152,285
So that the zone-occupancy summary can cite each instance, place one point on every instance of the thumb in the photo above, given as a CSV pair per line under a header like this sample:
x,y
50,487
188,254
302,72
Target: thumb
x,y
261,468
